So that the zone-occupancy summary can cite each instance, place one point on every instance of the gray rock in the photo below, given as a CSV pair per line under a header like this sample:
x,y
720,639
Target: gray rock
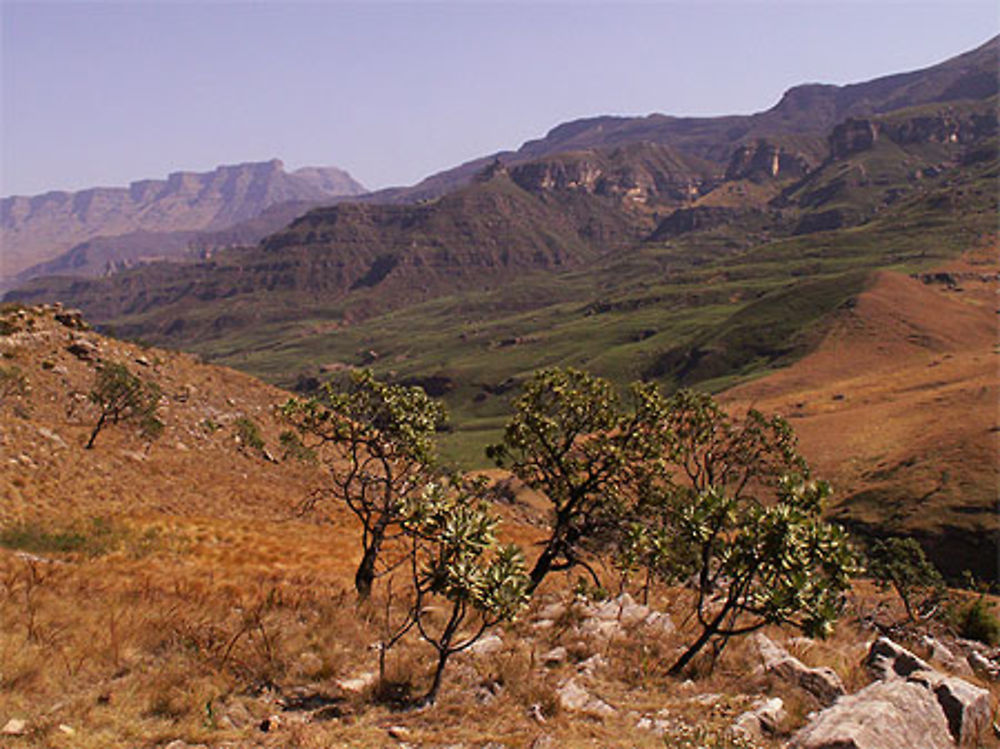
x,y
893,714
359,683
84,350
911,705
574,698
966,707
486,645
15,727
983,666
887,660
555,656
762,719
823,683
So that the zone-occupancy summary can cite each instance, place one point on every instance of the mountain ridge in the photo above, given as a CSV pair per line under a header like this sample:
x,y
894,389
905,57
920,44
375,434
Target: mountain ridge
x,y
37,229
969,74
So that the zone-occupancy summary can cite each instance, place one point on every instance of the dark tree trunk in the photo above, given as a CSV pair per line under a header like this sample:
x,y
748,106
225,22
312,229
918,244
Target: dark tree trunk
x,y
93,435
365,576
707,634
542,567
431,697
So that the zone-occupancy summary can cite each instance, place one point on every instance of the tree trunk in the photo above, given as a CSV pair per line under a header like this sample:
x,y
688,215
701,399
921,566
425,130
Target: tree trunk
x,y
97,428
431,697
707,633
365,576
542,567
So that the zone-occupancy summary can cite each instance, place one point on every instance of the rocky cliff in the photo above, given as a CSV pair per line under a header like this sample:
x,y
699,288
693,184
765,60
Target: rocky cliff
x,y
39,228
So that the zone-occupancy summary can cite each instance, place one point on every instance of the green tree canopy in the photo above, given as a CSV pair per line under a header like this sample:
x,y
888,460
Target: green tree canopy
x,y
375,442
122,396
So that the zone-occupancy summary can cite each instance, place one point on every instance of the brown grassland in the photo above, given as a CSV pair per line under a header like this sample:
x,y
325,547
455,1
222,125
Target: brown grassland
x,y
170,591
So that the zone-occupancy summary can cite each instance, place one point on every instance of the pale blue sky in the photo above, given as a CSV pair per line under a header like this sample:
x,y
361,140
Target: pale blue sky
x,y
97,93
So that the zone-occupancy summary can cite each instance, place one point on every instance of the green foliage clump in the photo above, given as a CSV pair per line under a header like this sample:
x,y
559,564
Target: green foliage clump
x,y
122,396
13,381
376,443
976,621
248,433
573,439
455,556
93,538
679,488
901,564
293,447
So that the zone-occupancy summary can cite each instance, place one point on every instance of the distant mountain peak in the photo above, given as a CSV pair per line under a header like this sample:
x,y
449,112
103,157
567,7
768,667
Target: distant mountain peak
x,y
35,229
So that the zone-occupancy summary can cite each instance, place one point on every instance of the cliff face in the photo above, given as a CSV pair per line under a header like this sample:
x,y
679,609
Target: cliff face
x,y
41,227
639,172
856,135
766,160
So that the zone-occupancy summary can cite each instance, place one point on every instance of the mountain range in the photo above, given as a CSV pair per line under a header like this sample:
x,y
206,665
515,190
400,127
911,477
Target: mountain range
x,y
691,251
94,230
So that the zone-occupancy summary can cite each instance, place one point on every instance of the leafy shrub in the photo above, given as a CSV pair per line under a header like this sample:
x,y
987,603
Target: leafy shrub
x,y
122,396
93,538
248,433
12,381
900,563
978,622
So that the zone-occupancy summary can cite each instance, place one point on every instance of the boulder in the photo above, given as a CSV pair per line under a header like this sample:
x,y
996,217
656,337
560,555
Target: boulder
x,y
486,645
910,705
84,350
574,698
888,660
885,715
823,683
983,666
14,727
938,651
762,719
555,656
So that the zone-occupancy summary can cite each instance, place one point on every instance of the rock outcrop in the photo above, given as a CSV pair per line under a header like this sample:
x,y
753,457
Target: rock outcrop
x,y
823,683
764,160
39,228
910,705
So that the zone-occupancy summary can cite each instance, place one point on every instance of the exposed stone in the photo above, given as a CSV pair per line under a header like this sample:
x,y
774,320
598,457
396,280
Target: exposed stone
x,y
893,714
887,660
54,438
400,733
552,611
15,727
823,683
84,350
486,645
592,664
983,666
966,707
359,683
72,319
937,651
555,656
762,719
911,705
574,698
655,725
659,622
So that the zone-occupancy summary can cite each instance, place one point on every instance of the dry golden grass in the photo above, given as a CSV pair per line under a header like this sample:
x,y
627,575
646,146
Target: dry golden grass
x,y
173,592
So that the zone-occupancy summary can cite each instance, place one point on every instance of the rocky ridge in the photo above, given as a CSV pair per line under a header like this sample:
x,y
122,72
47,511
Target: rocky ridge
x,y
39,228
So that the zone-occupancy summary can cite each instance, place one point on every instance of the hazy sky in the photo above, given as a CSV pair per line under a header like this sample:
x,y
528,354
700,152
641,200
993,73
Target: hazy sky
x,y
95,93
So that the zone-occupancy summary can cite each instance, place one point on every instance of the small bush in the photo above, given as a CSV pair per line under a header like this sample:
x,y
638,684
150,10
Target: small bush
x,y
978,622
12,381
248,433
94,538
